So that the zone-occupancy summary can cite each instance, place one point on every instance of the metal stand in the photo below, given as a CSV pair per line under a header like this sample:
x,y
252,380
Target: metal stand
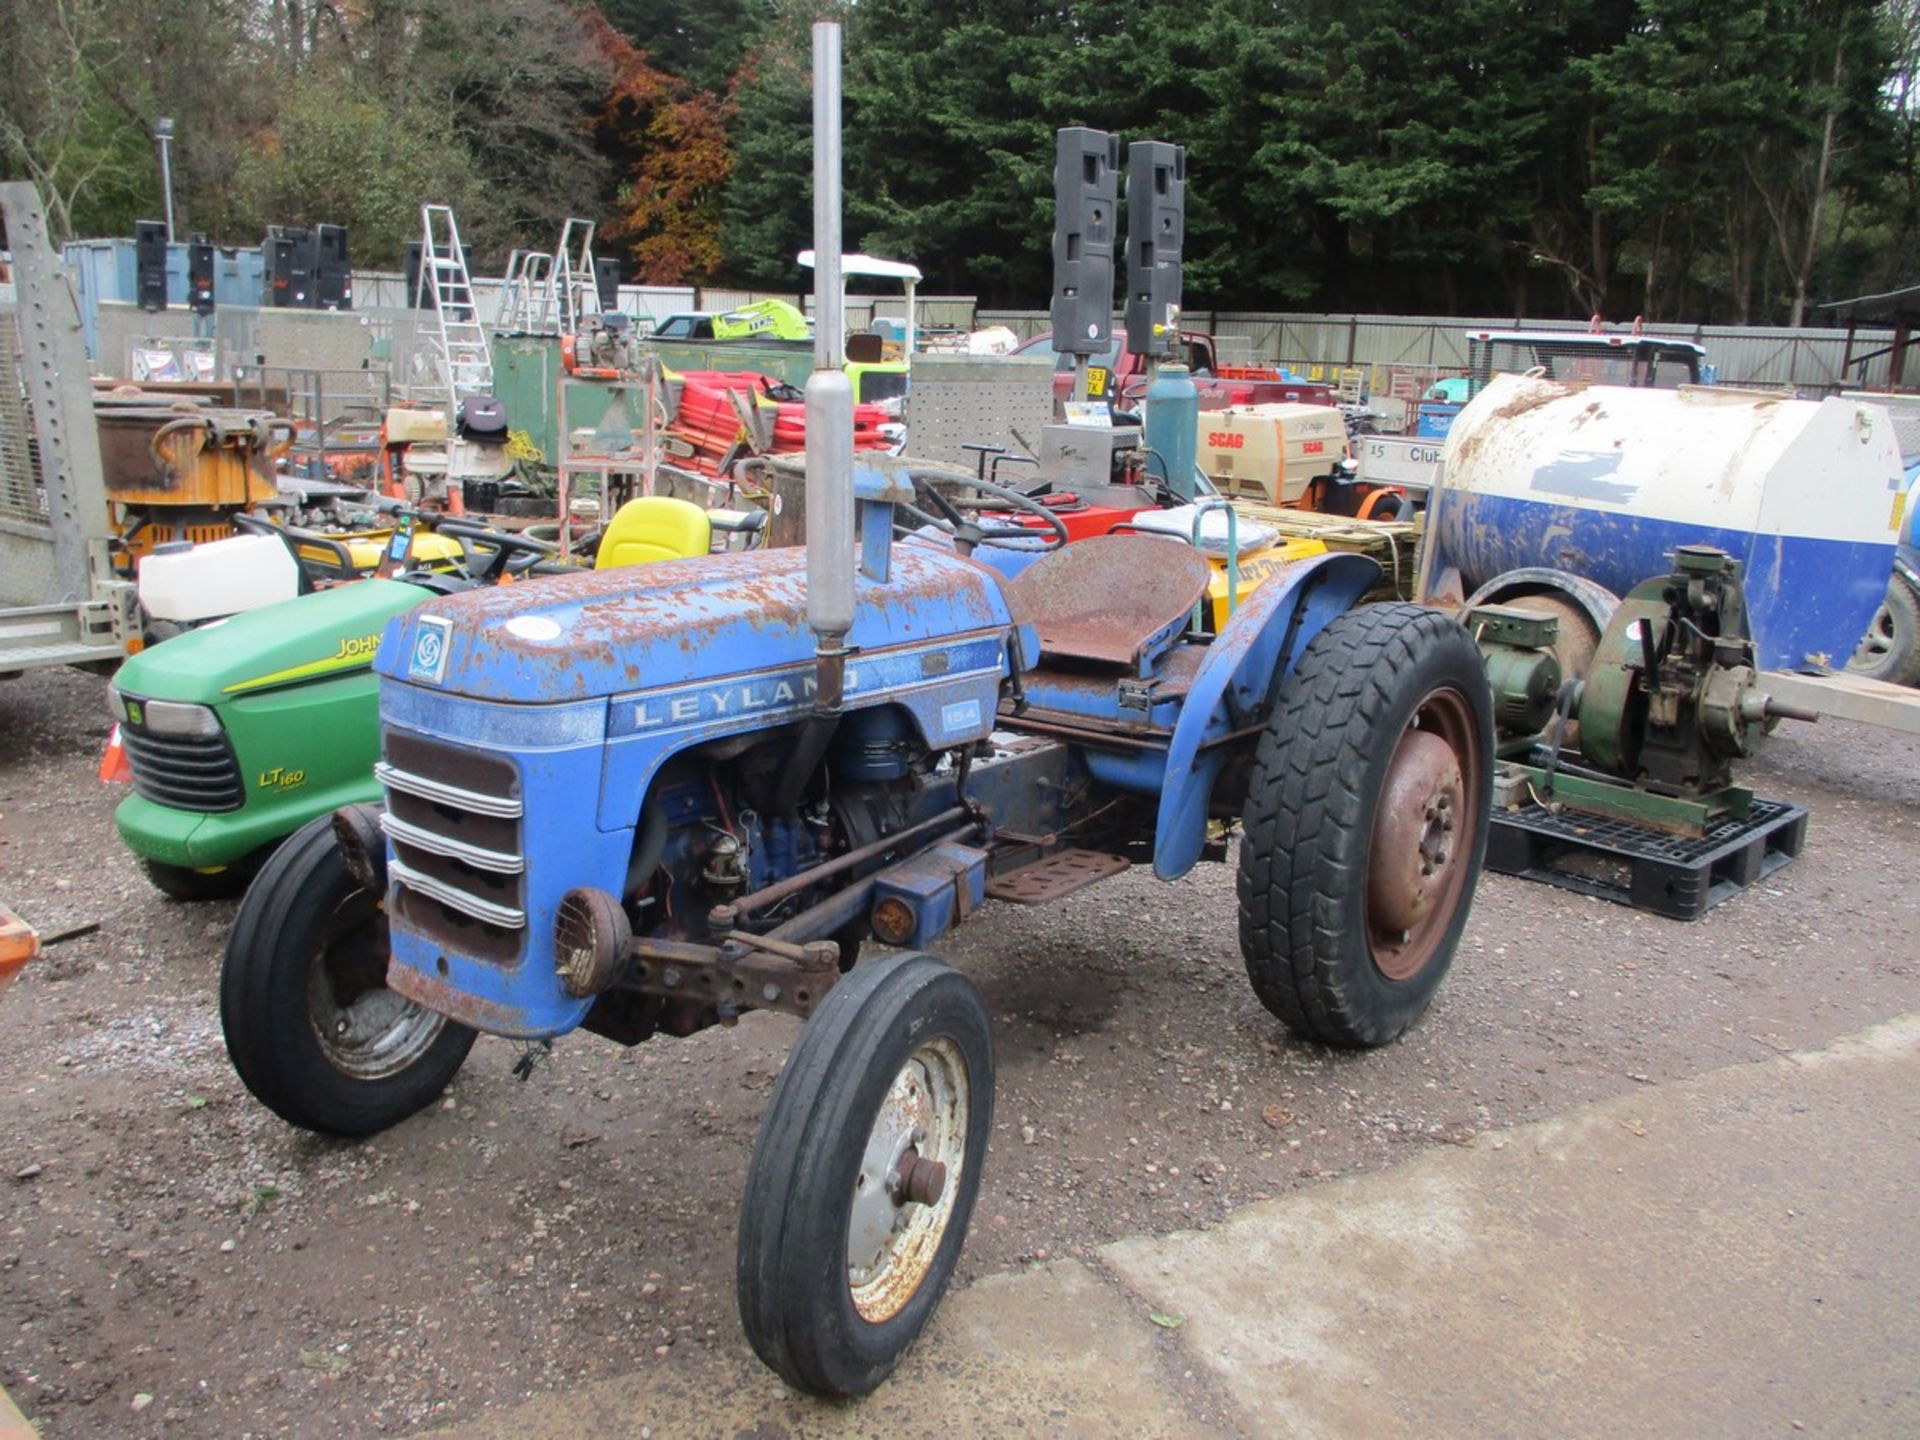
x,y
622,475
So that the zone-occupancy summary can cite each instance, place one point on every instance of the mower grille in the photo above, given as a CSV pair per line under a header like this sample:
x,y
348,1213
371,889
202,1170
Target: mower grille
x,y
453,817
186,773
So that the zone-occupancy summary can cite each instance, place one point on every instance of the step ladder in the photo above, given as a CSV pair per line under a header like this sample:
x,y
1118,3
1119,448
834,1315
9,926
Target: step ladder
x,y
571,298
528,275
456,340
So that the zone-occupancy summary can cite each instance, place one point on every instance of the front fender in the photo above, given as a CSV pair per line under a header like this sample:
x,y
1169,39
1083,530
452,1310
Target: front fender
x,y
1234,688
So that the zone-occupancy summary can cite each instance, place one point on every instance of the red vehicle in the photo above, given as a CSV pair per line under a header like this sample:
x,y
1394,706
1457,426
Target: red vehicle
x,y
1120,375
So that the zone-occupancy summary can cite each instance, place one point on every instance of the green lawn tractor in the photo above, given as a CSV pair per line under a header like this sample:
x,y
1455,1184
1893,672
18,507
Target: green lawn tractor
x,y
237,733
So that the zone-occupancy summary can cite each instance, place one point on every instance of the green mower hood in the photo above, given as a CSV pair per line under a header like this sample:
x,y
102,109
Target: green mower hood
x,y
306,638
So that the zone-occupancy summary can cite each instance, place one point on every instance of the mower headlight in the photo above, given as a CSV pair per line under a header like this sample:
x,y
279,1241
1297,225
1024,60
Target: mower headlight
x,y
168,717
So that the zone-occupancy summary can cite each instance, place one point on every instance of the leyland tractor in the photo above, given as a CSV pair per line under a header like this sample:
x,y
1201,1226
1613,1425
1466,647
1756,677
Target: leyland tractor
x,y
645,802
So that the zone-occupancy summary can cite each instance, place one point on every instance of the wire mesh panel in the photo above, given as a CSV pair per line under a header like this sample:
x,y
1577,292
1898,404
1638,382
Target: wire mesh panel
x,y
27,573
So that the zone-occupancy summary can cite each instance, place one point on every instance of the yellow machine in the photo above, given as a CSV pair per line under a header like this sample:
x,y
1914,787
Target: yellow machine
x,y
1243,557
179,470
1272,452
1254,570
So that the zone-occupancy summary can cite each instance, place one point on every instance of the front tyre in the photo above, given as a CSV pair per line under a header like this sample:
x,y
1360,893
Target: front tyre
x,y
1366,824
865,1173
177,882
310,1024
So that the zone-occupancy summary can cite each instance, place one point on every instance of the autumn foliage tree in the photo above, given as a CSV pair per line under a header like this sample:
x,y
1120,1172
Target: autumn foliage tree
x,y
671,146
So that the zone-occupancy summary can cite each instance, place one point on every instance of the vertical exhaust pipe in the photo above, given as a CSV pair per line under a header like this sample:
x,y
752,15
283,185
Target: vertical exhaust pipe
x,y
830,538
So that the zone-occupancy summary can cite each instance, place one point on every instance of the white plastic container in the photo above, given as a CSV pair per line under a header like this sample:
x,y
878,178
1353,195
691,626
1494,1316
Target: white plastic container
x,y
222,577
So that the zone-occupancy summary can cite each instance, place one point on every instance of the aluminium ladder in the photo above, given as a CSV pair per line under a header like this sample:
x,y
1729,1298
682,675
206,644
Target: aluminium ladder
x,y
459,344
528,274
571,298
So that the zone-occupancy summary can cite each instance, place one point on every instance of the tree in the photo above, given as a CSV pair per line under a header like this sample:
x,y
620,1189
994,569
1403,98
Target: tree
x,y
359,162
767,208
675,160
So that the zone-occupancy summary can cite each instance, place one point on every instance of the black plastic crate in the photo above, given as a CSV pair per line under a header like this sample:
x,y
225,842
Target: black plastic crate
x,y
1671,875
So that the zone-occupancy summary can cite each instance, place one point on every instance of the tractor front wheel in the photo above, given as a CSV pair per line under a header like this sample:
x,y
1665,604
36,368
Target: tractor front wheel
x,y
865,1173
1366,824
310,1024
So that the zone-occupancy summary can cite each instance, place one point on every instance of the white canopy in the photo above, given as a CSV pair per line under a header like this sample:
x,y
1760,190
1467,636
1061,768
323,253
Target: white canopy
x,y
873,265
870,265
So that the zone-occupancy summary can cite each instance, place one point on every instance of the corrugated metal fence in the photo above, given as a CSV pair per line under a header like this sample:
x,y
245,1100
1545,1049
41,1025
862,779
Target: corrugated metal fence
x,y
1806,359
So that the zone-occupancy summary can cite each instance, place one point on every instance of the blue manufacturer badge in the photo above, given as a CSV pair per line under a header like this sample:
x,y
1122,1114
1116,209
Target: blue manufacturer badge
x,y
430,644
962,718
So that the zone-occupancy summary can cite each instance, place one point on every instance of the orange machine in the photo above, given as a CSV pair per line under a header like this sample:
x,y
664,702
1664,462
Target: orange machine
x,y
18,945
177,469
1286,454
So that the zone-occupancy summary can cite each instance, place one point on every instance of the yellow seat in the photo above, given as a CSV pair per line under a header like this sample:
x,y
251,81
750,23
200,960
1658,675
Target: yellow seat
x,y
654,527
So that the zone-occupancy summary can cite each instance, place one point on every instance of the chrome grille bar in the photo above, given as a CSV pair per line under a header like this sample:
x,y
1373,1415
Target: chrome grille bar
x,y
499,806
507,917
499,862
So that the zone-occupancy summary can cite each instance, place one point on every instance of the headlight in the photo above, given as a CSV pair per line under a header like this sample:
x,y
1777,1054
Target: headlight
x,y
167,717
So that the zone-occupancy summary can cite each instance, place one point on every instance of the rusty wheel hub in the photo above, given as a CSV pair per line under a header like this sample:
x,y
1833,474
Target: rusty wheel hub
x,y
903,1192
1422,828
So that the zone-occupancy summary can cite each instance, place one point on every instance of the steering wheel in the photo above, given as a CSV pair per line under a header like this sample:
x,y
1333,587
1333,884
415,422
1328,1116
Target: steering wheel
x,y
513,554
968,534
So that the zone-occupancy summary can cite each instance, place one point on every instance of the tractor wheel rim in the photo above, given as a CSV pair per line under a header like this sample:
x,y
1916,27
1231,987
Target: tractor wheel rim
x,y
365,1030
901,1207
1418,855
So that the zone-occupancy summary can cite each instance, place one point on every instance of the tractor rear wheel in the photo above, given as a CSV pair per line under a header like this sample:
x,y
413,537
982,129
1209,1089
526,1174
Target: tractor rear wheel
x,y
865,1173
310,1024
1366,824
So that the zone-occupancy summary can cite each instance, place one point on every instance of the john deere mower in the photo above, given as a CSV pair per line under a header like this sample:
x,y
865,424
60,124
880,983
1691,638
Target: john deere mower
x,y
239,732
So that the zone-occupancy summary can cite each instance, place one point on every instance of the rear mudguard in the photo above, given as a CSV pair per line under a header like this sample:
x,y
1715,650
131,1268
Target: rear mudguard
x,y
1234,689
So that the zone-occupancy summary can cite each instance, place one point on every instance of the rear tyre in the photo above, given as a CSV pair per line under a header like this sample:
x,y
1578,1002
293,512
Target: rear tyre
x,y
1366,824
865,1174
1890,650
310,1024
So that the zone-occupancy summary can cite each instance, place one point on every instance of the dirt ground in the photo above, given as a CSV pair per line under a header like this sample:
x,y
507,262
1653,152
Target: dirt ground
x,y
174,1259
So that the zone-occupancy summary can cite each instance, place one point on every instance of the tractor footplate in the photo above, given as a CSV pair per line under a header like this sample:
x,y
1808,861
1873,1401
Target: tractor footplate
x,y
1643,867
1059,874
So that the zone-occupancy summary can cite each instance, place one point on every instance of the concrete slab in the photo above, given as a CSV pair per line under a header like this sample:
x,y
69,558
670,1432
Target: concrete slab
x,y
13,1425
1053,1351
1733,1255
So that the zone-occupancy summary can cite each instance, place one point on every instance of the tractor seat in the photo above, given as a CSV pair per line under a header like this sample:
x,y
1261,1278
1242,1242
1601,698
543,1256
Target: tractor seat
x,y
1111,599
654,527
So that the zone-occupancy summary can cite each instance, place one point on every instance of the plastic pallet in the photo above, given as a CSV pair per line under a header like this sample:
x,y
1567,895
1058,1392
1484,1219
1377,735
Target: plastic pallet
x,y
1647,869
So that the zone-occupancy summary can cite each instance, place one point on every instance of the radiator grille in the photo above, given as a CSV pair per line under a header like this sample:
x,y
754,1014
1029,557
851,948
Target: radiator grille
x,y
185,772
453,817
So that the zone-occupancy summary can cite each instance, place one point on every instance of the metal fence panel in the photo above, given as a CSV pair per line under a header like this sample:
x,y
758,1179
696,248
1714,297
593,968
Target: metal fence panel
x,y
1391,345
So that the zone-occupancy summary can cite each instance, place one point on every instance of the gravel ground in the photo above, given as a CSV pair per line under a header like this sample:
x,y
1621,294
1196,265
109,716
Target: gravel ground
x,y
173,1259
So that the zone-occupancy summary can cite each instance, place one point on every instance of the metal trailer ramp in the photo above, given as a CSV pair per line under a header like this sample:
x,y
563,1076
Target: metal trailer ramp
x,y
59,601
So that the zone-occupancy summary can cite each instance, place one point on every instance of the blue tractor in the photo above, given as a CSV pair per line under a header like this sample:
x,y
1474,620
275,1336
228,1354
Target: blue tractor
x,y
643,802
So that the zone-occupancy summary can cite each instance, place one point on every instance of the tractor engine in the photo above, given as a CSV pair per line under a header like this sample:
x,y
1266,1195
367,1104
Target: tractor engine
x,y
738,822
